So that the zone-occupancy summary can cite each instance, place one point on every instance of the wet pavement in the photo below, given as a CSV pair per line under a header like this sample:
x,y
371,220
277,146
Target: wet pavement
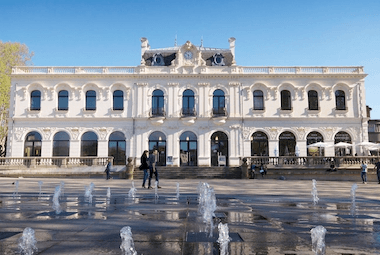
x,y
264,216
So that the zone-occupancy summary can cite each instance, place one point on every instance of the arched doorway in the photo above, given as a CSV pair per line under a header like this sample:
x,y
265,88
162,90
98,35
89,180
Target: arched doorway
x,y
61,144
344,138
287,144
157,141
314,137
259,144
116,148
33,144
188,149
89,145
219,149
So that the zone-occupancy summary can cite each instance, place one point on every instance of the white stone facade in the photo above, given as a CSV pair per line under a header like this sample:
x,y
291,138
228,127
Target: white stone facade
x,y
174,73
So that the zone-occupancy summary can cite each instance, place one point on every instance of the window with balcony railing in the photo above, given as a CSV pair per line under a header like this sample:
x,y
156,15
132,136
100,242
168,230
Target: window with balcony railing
x,y
218,103
35,100
158,103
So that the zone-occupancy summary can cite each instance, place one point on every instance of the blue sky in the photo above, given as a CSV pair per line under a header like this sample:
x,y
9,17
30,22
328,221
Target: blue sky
x,y
268,33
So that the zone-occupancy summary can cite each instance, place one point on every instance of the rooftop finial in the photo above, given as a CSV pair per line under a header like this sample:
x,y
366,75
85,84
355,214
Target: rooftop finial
x,y
175,41
202,41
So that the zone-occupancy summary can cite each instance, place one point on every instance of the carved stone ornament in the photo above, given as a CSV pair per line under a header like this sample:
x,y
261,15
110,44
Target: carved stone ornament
x,y
234,83
235,126
18,132
142,84
329,131
75,132
273,131
246,132
46,132
173,84
203,84
103,131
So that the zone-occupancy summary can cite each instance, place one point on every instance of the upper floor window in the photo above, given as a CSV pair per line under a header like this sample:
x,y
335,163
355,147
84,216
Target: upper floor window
x,y
258,100
218,103
188,103
313,100
340,100
158,103
91,100
35,100
63,100
118,100
286,102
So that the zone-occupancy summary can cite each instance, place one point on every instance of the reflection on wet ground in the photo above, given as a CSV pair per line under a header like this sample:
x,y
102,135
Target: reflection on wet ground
x,y
258,224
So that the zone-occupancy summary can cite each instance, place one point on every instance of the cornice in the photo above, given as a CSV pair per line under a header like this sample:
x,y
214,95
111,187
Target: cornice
x,y
187,76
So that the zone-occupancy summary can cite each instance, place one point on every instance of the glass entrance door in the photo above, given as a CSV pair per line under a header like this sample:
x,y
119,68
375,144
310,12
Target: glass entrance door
x,y
219,149
188,149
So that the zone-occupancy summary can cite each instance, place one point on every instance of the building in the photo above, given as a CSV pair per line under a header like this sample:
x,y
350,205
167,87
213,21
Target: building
x,y
193,104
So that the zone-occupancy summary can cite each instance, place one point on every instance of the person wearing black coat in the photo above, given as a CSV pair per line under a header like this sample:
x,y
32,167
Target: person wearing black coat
x,y
144,166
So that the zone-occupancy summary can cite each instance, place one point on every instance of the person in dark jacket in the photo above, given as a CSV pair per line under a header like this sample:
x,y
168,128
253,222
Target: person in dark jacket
x,y
108,169
144,166
153,159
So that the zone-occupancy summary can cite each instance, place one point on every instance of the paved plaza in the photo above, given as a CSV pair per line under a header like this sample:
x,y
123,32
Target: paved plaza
x,y
264,216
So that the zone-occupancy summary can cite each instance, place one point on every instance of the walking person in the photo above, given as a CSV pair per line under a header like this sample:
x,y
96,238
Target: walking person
x,y
364,172
153,159
108,169
377,166
144,166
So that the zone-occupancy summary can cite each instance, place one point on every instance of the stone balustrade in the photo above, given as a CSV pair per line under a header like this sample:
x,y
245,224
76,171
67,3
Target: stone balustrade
x,y
43,162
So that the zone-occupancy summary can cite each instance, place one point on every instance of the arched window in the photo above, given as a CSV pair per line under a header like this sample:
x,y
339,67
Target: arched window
x,y
118,100
158,103
157,141
33,144
287,144
117,148
286,100
259,144
218,103
258,100
63,100
35,100
342,144
313,100
61,144
219,149
91,100
340,100
188,104
312,138
188,149
89,144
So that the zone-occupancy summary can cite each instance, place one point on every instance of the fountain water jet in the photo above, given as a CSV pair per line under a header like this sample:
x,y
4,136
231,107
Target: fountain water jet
x,y
353,198
318,240
177,191
15,193
156,196
132,191
314,193
56,205
127,245
207,205
40,186
27,242
223,239
88,193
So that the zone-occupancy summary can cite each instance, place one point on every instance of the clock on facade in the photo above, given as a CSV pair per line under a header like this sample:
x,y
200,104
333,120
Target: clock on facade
x,y
188,55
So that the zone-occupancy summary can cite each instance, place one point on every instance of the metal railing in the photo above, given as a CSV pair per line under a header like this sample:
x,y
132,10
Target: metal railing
x,y
188,112
41,162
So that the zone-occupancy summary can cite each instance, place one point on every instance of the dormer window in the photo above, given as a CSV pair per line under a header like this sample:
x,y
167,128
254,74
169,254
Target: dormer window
x,y
218,60
158,60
